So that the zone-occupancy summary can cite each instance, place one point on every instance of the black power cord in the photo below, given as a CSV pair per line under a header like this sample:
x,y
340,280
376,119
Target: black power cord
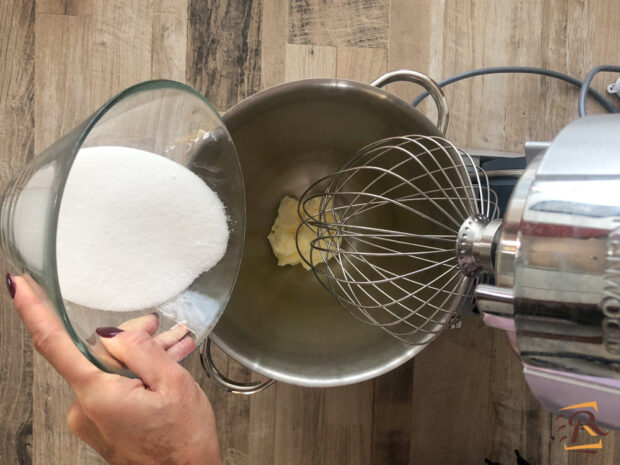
x,y
584,88
586,85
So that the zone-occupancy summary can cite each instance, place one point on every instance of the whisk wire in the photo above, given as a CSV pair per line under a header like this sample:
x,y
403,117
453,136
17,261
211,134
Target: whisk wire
x,y
385,234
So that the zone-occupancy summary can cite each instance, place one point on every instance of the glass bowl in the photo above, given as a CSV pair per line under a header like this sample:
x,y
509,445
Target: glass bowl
x,y
163,117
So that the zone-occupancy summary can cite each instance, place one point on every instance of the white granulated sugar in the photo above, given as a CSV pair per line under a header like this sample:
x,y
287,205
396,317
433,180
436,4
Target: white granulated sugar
x,y
135,229
197,311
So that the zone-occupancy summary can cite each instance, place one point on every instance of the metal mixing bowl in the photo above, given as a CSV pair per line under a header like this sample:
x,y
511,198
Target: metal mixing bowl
x,y
280,322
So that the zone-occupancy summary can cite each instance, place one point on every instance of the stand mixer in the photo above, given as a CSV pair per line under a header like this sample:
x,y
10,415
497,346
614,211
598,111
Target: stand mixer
x,y
416,231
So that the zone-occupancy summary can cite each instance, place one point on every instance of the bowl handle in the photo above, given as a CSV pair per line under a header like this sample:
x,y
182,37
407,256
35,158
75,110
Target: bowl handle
x,y
223,381
443,112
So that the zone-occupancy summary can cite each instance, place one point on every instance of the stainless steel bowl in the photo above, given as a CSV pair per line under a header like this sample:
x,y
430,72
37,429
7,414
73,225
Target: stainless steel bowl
x,y
280,322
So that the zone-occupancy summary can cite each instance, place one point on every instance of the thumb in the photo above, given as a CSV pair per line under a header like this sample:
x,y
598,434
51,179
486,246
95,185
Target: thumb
x,y
145,357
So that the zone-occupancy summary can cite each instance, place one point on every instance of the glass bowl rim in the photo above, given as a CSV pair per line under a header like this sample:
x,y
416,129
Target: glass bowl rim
x,y
89,123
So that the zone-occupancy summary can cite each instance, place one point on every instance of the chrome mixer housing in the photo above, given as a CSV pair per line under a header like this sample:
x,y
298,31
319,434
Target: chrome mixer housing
x,y
557,269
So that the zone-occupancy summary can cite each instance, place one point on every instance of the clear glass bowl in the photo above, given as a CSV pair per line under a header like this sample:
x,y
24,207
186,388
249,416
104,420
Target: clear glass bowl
x,y
163,117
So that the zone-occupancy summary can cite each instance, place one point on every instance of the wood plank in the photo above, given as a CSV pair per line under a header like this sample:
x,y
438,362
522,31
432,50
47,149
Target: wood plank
x,y
169,43
518,422
299,411
273,42
448,373
232,412
16,139
63,7
224,61
361,64
392,410
263,406
121,42
85,61
346,425
517,419
559,99
309,61
409,47
16,86
57,92
234,426
524,105
245,424
262,426
451,384
466,41
339,23
359,419
297,436
56,70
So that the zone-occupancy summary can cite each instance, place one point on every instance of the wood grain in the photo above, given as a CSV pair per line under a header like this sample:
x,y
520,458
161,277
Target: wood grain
x,y
17,142
451,387
262,427
361,64
64,7
273,42
309,61
392,412
169,41
339,23
224,49
409,47
463,399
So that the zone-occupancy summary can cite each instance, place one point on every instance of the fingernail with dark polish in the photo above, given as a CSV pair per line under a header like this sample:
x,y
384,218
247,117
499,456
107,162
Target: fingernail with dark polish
x,y
108,331
10,283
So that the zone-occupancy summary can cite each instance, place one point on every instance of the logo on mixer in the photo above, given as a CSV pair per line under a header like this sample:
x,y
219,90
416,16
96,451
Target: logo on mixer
x,y
579,418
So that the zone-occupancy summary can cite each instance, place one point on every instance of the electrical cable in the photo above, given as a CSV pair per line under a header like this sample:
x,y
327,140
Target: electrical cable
x,y
586,86
523,70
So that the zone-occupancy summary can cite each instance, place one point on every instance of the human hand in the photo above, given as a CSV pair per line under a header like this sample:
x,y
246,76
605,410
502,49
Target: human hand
x,y
161,418
175,341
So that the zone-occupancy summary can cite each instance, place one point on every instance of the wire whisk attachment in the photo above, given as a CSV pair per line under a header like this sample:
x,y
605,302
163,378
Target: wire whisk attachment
x,y
386,234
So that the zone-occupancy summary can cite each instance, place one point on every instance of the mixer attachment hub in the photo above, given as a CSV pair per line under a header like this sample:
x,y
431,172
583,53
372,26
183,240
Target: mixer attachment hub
x,y
476,243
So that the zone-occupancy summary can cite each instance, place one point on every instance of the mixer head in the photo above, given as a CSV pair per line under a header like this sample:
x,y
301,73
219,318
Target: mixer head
x,y
394,230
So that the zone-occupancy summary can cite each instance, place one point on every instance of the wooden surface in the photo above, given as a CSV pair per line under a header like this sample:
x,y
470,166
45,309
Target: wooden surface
x,y
463,399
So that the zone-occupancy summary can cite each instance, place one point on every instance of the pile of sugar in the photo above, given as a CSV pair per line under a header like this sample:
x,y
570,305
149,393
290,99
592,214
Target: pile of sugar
x,y
135,229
